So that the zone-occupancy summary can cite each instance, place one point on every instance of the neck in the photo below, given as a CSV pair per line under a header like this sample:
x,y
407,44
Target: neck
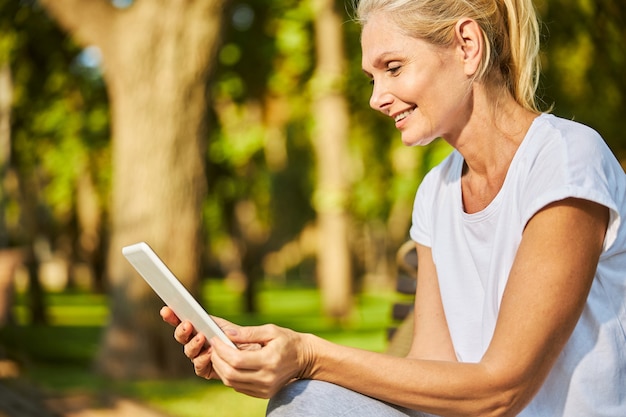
x,y
493,132
488,143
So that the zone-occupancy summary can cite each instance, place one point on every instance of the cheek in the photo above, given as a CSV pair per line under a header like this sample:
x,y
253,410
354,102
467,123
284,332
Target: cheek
x,y
413,90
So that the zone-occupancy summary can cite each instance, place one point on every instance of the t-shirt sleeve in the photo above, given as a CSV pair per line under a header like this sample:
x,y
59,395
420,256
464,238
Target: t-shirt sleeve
x,y
421,227
427,199
577,165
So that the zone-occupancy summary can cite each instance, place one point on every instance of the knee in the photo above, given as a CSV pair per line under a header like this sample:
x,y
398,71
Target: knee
x,y
301,398
286,400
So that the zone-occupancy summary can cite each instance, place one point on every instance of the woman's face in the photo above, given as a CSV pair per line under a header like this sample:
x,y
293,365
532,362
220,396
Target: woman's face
x,y
422,87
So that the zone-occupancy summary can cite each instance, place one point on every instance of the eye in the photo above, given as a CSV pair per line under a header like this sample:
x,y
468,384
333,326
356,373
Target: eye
x,y
393,68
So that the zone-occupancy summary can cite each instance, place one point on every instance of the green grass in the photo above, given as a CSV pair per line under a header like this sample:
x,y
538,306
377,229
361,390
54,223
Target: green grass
x,y
58,357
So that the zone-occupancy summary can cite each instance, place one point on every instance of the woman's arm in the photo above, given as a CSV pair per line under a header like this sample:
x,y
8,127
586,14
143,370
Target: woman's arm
x,y
543,300
542,303
431,337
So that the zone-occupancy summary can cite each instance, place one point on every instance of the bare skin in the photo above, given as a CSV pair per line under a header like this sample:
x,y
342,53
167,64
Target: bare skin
x,y
558,254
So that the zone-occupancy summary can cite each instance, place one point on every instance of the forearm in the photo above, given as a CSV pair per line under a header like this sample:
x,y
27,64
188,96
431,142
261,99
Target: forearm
x,y
438,387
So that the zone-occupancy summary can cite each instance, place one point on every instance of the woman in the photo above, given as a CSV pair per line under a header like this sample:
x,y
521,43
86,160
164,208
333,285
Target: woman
x,y
520,305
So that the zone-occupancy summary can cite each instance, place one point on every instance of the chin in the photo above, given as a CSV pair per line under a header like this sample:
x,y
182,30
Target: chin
x,y
412,141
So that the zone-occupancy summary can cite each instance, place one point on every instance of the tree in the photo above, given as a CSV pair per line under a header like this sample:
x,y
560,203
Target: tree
x,y
330,137
585,56
6,99
51,114
6,271
157,56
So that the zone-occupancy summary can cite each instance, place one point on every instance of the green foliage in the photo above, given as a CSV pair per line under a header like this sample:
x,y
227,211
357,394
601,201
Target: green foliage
x,y
259,150
60,121
584,61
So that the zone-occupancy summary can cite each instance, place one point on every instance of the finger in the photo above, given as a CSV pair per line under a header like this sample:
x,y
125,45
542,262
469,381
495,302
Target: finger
x,y
248,357
195,346
252,334
252,340
168,316
247,381
223,369
253,389
230,329
223,322
203,366
184,332
249,346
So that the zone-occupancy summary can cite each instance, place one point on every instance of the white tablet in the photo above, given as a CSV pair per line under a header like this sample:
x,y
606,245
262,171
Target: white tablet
x,y
171,291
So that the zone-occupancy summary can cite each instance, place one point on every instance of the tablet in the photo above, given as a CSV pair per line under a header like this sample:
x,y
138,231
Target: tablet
x,y
172,292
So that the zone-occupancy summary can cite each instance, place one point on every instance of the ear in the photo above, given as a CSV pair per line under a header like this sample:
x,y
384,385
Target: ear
x,y
469,39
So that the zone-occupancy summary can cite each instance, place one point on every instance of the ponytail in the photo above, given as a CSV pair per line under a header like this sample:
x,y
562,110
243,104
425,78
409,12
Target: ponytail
x,y
524,41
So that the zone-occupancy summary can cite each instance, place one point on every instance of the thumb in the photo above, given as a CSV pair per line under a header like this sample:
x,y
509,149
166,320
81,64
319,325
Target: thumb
x,y
252,334
230,329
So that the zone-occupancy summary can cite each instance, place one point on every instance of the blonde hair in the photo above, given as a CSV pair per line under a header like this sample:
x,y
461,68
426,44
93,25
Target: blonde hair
x,y
510,31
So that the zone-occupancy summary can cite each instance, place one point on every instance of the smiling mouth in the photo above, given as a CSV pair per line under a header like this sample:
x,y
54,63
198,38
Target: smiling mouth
x,y
403,115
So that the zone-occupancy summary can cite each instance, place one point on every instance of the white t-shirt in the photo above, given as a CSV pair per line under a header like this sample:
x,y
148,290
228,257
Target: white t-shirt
x,y
473,254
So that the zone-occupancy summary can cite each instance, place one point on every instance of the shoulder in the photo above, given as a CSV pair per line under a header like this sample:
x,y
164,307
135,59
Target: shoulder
x,y
439,188
567,137
446,172
563,158
557,151
441,184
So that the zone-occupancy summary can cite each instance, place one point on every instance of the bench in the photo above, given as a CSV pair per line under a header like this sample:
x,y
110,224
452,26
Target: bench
x,y
400,334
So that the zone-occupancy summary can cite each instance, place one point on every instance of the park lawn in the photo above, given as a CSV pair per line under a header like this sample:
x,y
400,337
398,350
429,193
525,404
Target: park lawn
x,y
58,357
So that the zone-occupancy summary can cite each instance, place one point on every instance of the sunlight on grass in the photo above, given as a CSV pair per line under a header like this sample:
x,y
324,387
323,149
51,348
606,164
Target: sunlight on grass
x,y
68,309
300,309
185,399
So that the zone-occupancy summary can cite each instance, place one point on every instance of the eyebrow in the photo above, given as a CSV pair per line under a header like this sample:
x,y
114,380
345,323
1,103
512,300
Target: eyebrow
x,y
380,59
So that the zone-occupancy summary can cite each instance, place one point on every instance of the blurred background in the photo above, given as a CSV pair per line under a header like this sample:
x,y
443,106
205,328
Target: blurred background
x,y
235,137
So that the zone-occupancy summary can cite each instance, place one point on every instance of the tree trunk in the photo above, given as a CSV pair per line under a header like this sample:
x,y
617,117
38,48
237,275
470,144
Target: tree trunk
x,y
157,55
330,112
6,101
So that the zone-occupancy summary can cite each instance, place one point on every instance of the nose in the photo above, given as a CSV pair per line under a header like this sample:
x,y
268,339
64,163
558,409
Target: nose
x,y
380,98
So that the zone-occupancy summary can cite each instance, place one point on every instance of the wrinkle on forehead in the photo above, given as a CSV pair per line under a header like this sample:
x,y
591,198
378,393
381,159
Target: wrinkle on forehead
x,y
376,37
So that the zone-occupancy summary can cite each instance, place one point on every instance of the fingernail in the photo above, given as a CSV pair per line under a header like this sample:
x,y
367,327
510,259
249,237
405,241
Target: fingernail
x,y
230,331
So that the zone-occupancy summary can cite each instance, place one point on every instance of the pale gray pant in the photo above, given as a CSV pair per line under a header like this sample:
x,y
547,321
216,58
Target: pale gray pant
x,y
309,398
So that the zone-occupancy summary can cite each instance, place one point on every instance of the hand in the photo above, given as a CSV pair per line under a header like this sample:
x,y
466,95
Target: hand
x,y
196,347
278,356
267,359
